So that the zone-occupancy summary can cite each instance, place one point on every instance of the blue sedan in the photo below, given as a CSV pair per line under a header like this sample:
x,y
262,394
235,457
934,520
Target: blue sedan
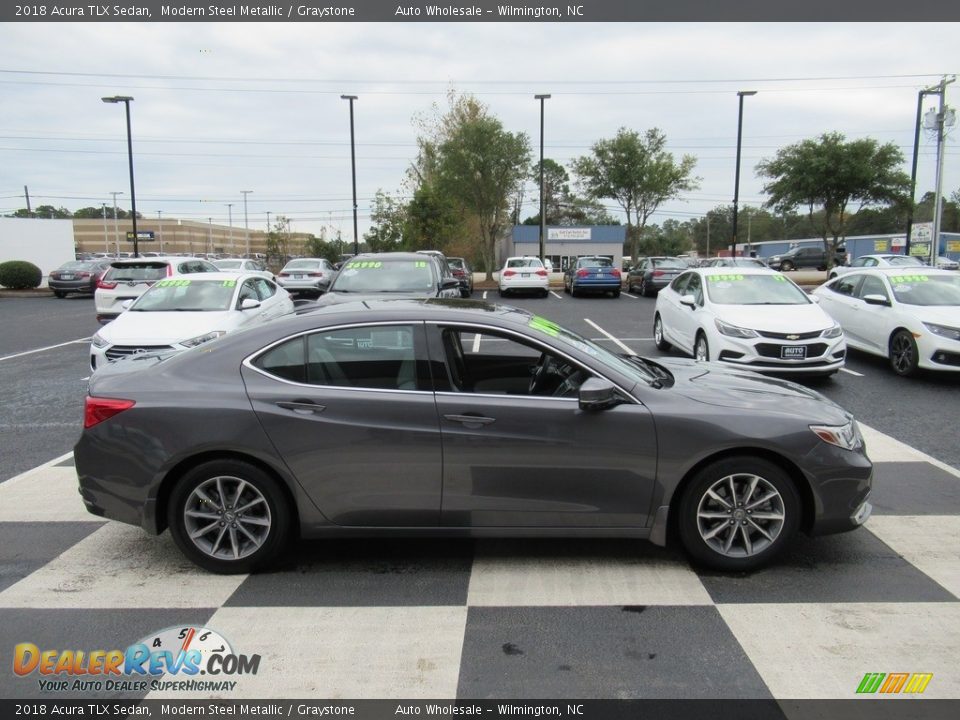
x,y
592,274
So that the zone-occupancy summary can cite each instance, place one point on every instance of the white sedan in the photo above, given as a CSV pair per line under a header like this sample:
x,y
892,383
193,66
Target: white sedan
x,y
909,316
181,312
870,261
240,265
754,318
523,274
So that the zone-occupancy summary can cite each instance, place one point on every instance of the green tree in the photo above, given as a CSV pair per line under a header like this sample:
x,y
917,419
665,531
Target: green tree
x,y
388,218
638,173
832,175
564,207
472,162
431,220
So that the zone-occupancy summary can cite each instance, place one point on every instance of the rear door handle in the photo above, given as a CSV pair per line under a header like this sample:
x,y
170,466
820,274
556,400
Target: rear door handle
x,y
470,421
302,407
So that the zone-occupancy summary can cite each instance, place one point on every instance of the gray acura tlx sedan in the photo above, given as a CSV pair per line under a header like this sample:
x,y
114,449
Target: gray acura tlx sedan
x,y
459,418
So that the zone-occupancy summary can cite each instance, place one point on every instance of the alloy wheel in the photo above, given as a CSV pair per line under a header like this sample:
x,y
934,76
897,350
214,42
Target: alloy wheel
x,y
740,515
227,518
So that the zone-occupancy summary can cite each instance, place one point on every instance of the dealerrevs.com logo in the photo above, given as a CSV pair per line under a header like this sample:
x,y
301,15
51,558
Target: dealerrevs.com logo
x,y
175,659
894,683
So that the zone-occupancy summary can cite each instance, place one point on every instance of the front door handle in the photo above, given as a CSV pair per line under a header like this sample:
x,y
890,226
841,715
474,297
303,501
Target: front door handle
x,y
471,421
302,407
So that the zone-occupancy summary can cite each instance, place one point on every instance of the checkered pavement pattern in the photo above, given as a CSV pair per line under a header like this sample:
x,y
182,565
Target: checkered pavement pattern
x,y
508,618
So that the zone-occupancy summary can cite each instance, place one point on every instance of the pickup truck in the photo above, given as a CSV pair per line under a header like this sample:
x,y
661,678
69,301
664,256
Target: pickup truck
x,y
805,257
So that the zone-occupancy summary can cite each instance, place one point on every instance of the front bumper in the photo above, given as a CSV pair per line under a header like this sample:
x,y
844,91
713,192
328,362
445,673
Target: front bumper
x,y
822,356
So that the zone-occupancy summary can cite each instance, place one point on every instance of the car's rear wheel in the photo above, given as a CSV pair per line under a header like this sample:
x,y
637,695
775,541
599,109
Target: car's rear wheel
x,y
738,514
616,293
786,265
662,344
59,293
643,287
228,516
904,354
701,349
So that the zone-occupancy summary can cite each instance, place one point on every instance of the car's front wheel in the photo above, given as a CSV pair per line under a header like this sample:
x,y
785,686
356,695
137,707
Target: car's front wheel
x,y
701,349
228,516
904,354
738,514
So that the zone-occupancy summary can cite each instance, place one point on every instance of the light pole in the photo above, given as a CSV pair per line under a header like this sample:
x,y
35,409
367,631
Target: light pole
x,y
160,228
543,200
736,182
209,235
913,168
126,99
942,118
116,229
230,222
106,240
246,222
353,168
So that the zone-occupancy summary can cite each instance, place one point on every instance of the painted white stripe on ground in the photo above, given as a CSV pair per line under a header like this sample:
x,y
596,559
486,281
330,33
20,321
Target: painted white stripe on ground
x,y
476,342
635,297
44,349
32,471
851,372
597,327
558,297
484,294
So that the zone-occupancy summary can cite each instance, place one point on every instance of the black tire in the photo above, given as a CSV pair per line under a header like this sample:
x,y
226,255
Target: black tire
x,y
704,536
643,287
786,266
59,293
257,490
903,353
573,290
701,340
661,344
616,293
501,292
544,293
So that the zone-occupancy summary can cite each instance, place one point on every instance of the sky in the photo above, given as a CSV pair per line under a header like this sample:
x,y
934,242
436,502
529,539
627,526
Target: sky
x,y
225,107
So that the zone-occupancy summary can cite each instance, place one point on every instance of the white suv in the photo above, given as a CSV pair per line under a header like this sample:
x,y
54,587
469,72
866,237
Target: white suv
x,y
524,273
129,279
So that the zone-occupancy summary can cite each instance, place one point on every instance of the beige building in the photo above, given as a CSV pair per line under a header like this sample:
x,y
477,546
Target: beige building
x,y
173,236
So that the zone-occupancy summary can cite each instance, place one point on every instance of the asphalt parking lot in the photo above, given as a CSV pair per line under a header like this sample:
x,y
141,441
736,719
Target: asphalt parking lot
x,y
485,619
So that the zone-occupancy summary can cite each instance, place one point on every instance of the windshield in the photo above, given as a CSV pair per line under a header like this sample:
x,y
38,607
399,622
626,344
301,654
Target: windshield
x,y
229,264
78,265
668,263
737,289
524,262
924,289
620,364
301,265
386,275
183,295
142,272
595,262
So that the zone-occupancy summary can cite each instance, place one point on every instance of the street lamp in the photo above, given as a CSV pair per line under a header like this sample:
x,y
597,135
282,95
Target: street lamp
x,y
353,167
230,222
246,223
126,99
736,183
543,200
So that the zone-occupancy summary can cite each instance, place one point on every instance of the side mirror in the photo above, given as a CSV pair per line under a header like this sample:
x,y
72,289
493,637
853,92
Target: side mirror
x,y
126,304
876,300
815,298
249,304
597,394
689,300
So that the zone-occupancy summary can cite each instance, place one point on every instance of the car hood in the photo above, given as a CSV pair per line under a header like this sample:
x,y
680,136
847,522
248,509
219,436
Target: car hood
x,y
335,298
165,328
714,383
940,314
775,318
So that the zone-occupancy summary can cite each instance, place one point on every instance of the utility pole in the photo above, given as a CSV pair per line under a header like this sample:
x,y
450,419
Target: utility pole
x,y
708,236
209,235
246,222
116,229
543,200
160,228
106,240
944,117
26,195
230,221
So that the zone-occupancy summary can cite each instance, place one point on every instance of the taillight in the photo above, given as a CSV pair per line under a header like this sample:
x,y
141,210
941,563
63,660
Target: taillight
x,y
509,273
169,270
542,273
582,273
615,272
658,273
106,284
83,274
316,274
459,273
283,274
97,409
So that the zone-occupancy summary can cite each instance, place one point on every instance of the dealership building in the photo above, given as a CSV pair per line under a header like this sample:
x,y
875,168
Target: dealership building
x,y
563,245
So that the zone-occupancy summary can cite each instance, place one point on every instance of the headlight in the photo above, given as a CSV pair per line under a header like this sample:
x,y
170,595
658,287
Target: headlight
x,y
200,339
844,436
833,332
98,341
734,331
951,333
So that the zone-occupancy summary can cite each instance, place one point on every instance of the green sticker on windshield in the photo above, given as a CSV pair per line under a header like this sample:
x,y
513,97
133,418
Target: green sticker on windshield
x,y
724,278
545,326
420,263
229,283
911,278
364,265
172,282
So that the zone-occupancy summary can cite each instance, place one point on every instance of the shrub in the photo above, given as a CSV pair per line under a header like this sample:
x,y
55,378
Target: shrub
x,y
20,274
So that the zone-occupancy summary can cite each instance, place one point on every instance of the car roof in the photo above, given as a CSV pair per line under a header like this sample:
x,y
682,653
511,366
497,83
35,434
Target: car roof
x,y
156,259
739,270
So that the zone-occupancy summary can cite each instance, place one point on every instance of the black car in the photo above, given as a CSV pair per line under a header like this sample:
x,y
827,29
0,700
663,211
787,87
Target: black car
x,y
80,276
805,258
396,274
456,418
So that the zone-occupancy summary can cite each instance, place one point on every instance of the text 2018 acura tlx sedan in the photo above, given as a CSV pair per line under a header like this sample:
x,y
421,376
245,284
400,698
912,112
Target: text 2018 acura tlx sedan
x,y
459,418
